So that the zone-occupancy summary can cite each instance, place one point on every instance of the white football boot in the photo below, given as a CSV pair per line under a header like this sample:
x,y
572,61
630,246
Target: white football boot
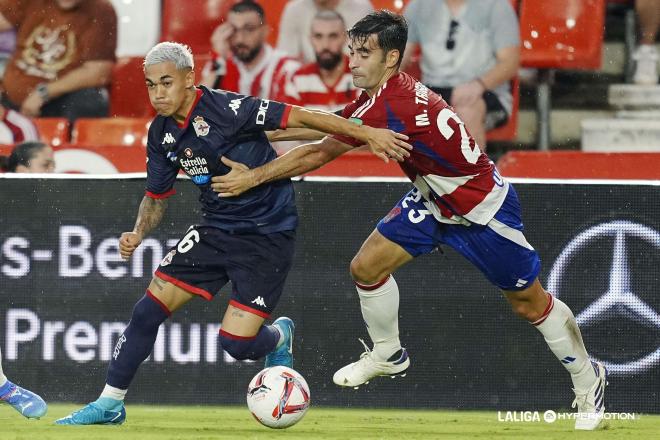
x,y
646,69
368,367
591,405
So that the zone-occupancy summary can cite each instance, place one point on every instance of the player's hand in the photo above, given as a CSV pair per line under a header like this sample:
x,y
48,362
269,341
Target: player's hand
x,y
220,39
388,144
128,242
32,105
238,180
467,94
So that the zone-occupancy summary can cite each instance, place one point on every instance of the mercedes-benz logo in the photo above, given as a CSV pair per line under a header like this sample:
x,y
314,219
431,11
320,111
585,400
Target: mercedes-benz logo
x,y
619,295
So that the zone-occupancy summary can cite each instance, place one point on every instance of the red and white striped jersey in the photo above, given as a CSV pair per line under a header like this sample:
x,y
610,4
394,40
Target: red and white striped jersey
x,y
307,89
458,181
265,80
15,128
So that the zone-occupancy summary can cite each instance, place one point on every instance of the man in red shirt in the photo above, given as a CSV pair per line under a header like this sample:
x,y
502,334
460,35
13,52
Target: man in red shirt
x,y
326,84
242,60
459,200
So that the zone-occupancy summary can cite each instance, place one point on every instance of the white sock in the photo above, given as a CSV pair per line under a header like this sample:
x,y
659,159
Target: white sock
x,y
3,378
563,336
113,393
380,310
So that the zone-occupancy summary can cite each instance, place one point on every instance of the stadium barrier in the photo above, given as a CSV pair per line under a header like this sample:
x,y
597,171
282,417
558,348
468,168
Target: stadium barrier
x,y
67,296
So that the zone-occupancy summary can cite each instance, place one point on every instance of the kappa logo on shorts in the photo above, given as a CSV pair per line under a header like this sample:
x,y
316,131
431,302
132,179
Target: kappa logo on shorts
x,y
168,258
258,301
393,213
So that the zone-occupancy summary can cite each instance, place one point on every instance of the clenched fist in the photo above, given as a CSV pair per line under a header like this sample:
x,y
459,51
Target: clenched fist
x,y
128,242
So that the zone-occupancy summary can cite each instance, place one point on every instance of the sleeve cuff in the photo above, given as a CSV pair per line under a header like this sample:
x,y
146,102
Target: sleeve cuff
x,y
164,195
285,116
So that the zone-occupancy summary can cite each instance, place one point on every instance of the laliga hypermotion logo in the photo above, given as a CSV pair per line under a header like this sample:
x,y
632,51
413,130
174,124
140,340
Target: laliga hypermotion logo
x,y
619,299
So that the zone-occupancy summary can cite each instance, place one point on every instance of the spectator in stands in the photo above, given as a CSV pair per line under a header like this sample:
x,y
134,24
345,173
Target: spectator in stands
x,y
63,59
297,19
470,50
242,60
327,83
646,55
29,157
15,128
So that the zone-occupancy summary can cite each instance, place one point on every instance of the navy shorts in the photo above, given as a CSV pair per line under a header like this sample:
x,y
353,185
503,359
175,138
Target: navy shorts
x,y
257,265
498,249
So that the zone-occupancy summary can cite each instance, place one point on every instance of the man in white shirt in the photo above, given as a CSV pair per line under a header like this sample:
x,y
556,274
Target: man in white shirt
x,y
470,52
297,19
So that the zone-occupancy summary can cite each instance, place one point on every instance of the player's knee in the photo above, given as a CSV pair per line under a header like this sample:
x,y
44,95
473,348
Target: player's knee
x,y
148,312
528,309
239,349
524,310
531,303
473,114
362,273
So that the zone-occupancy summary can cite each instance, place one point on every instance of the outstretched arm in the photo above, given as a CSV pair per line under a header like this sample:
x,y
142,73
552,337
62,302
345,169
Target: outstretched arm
x,y
295,134
382,142
299,160
149,216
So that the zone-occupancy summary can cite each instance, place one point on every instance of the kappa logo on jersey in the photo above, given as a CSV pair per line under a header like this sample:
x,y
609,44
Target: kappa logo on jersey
x,y
261,114
235,104
200,126
195,167
168,139
258,301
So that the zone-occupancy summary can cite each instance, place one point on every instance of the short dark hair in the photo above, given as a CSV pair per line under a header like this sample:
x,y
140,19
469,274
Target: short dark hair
x,y
22,154
249,6
390,29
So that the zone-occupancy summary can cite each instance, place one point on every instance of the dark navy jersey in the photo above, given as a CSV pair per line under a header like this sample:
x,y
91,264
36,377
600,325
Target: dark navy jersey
x,y
220,124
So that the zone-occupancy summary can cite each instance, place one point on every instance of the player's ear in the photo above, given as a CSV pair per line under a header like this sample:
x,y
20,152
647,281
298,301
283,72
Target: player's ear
x,y
190,78
392,58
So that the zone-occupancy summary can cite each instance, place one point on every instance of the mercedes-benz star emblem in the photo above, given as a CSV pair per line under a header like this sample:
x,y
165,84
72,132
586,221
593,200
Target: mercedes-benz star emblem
x,y
619,298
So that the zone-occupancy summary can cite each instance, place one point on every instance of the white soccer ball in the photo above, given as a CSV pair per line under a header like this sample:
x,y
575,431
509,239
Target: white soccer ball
x,y
278,397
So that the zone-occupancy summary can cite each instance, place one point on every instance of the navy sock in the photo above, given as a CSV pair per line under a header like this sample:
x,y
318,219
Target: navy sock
x,y
137,341
254,348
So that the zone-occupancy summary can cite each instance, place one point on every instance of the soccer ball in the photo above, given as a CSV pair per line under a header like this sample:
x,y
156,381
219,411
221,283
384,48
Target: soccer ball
x,y
278,397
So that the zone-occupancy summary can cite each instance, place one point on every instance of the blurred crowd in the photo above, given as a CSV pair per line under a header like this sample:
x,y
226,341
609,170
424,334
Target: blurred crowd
x,y
57,56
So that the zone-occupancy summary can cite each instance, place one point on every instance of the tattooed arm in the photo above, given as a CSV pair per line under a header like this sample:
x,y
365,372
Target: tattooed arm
x,y
149,216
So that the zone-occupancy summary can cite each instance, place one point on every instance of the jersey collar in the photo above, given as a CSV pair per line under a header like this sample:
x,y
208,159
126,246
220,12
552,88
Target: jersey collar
x,y
197,98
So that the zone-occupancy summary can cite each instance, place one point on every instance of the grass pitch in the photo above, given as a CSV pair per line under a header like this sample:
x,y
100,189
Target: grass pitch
x,y
207,422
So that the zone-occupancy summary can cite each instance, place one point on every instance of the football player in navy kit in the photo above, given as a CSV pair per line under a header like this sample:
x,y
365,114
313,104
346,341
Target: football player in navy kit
x,y
248,240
